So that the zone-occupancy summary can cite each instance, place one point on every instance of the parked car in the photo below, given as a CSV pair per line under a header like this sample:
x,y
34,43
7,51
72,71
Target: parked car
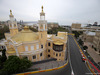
x,y
83,59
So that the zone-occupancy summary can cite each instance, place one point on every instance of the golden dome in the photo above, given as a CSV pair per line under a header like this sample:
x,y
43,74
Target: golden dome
x,y
25,35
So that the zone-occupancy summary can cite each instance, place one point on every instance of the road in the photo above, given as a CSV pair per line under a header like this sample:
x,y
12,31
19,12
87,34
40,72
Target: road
x,y
79,67
75,63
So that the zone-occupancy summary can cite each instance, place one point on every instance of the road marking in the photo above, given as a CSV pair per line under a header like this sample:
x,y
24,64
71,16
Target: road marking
x,y
81,51
72,73
94,66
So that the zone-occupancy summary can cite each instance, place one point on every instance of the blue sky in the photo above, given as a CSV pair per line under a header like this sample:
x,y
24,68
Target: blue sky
x,y
61,11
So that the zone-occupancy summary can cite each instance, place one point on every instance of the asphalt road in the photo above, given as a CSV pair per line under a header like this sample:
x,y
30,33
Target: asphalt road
x,y
79,67
75,63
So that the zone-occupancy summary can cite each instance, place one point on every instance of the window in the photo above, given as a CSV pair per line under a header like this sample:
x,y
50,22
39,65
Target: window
x,y
48,55
58,47
25,57
42,17
14,25
10,25
32,47
59,54
56,54
41,46
49,44
44,26
37,46
26,48
41,35
48,50
34,57
40,54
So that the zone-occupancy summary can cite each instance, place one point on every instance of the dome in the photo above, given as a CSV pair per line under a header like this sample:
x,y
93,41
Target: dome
x,y
25,35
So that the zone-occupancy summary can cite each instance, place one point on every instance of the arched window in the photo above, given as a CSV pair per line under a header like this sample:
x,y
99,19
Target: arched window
x,y
41,46
10,25
48,43
41,35
14,25
48,55
34,56
40,54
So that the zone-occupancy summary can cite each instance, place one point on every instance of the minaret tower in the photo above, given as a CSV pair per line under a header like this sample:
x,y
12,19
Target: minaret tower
x,y
12,25
42,28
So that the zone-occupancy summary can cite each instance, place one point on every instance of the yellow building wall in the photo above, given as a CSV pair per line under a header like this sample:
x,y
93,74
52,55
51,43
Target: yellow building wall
x,y
13,32
53,53
43,38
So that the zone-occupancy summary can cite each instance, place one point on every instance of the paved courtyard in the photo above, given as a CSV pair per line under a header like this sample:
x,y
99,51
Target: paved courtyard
x,y
48,65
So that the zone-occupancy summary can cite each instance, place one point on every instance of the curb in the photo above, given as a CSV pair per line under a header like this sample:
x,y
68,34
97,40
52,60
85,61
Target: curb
x,y
85,57
43,70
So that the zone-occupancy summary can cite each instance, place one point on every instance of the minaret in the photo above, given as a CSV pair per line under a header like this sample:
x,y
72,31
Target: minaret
x,y
42,28
12,25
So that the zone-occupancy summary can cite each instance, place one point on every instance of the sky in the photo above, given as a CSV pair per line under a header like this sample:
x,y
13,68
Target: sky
x,y
65,12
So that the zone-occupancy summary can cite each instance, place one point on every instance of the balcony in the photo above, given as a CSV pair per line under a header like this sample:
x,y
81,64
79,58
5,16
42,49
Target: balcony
x,y
57,48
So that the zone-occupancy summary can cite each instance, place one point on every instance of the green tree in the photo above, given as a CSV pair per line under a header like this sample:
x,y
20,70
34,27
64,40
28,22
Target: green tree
x,y
33,29
95,49
3,57
77,33
14,64
85,47
3,30
54,30
81,42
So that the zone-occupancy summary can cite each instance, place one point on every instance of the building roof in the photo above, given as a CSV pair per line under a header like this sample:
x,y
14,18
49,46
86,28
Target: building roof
x,y
25,35
91,33
11,50
58,43
2,42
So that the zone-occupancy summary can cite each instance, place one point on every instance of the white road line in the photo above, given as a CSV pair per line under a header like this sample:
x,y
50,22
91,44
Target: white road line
x,y
72,73
80,53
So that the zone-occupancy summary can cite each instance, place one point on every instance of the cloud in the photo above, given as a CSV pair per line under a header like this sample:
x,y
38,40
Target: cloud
x,y
62,11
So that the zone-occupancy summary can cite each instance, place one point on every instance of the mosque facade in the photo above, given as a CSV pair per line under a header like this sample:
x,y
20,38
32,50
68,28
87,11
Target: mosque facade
x,y
35,46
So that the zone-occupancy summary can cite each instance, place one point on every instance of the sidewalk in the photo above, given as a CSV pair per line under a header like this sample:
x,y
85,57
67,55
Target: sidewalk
x,y
92,52
48,65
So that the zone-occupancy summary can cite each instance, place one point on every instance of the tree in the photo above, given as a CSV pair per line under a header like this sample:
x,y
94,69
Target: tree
x,y
14,64
3,30
3,57
85,47
76,34
81,42
54,30
95,49
33,29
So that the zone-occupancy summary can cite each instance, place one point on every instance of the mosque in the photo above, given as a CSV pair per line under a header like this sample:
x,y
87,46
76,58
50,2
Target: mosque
x,y
35,46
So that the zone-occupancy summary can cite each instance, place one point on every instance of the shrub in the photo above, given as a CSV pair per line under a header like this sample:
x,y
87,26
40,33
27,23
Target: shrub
x,y
85,47
81,42
95,49
14,64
